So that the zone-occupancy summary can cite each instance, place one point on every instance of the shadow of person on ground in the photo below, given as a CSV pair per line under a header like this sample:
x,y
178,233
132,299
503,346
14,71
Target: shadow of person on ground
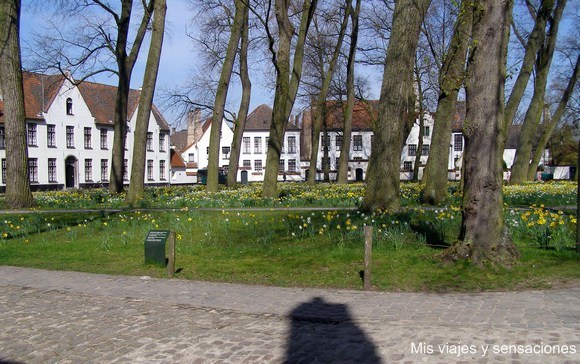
x,y
325,333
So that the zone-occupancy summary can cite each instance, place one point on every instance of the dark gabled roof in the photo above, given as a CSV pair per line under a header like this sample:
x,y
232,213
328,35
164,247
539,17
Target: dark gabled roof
x,y
179,139
261,118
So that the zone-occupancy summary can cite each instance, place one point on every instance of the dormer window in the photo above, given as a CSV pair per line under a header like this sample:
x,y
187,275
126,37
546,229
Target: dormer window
x,y
69,106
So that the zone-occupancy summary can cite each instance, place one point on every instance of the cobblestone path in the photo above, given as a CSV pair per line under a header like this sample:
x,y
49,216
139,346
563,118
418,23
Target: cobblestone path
x,y
71,317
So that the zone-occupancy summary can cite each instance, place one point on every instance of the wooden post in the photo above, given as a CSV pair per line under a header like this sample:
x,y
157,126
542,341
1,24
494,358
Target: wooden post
x,y
171,254
368,253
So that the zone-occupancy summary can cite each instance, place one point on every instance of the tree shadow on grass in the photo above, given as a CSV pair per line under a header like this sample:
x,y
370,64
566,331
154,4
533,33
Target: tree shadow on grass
x,y
325,333
434,237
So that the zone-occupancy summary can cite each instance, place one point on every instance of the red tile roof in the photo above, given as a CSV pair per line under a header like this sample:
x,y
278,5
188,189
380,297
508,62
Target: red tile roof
x,y
364,114
101,100
176,160
40,91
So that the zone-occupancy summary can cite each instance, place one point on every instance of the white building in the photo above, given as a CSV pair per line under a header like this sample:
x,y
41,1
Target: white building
x,y
255,148
196,153
70,135
364,116
253,151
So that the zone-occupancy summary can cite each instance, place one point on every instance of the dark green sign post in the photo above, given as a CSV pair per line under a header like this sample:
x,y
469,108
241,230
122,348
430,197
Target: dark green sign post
x,y
155,249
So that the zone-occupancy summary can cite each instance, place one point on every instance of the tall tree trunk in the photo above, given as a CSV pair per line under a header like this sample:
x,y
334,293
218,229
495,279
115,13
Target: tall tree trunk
x,y
451,78
18,192
287,82
137,184
321,109
125,63
240,124
119,134
221,96
483,237
533,44
325,151
521,164
342,174
417,162
552,122
396,110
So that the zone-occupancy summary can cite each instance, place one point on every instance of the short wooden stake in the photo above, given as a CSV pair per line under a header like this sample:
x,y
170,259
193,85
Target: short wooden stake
x,y
368,254
171,254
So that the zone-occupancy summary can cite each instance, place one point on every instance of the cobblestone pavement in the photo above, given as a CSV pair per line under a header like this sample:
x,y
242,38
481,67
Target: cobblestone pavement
x,y
70,317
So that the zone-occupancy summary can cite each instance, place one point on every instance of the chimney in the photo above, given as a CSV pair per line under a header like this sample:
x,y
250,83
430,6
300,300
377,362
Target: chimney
x,y
193,125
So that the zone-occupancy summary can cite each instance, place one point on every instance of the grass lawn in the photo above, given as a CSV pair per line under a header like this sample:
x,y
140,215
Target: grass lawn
x,y
310,249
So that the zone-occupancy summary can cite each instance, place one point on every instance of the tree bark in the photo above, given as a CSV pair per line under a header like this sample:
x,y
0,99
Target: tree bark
x,y
451,78
519,172
244,104
342,173
552,122
18,194
395,108
287,82
137,184
483,237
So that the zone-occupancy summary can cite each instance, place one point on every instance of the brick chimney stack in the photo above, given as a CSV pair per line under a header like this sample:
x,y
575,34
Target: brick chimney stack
x,y
193,125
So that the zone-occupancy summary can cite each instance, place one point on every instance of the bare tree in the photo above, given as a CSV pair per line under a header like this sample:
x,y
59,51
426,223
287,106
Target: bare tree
x,y
396,107
221,95
18,192
451,76
544,58
552,120
215,23
240,120
320,112
287,80
89,48
484,238
532,45
137,184
342,173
